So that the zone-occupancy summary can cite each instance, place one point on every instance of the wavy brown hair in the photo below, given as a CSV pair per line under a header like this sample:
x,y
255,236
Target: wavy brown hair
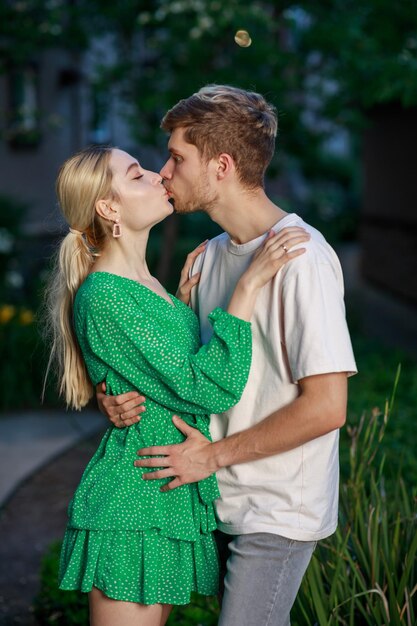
x,y
221,118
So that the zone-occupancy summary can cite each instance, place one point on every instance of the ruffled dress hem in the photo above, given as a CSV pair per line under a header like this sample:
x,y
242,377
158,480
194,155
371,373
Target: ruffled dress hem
x,y
139,566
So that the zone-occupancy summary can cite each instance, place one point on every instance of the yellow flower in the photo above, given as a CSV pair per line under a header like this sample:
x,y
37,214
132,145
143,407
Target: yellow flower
x,y
7,311
26,317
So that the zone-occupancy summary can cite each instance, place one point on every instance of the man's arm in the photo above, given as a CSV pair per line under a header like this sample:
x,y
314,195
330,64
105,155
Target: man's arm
x,y
319,409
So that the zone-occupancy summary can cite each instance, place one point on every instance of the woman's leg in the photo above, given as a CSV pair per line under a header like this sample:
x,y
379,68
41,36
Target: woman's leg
x,y
105,611
166,610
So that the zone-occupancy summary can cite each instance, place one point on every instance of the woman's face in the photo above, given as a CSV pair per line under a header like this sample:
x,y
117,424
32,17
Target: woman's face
x,y
141,199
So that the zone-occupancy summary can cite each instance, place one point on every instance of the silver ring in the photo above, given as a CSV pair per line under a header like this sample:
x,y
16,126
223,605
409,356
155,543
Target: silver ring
x,y
284,248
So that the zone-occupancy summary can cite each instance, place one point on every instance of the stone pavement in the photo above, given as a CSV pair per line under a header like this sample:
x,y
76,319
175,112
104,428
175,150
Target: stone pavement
x,y
31,439
33,518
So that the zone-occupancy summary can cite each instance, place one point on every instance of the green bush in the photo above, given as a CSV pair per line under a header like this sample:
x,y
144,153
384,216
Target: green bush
x,y
366,573
53,606
22,352
24,360
202,611
11,216
377,365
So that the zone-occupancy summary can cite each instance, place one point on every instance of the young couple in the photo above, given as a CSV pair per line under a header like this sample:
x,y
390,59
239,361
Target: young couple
x,y
139,540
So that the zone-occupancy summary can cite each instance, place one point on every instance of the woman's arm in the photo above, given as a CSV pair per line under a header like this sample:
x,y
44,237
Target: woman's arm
x,y
266,263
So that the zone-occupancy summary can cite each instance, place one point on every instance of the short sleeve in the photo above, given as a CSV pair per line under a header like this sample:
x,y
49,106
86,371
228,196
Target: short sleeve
x,y
314,324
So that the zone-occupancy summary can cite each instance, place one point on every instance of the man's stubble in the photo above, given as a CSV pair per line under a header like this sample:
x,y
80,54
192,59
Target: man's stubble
x,y
203,198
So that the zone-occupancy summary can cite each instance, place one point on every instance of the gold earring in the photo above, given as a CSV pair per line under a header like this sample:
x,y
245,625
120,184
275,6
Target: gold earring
x,y
117,229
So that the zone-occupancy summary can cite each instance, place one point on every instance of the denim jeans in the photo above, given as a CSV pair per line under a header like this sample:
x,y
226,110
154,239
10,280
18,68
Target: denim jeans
x,y
263,573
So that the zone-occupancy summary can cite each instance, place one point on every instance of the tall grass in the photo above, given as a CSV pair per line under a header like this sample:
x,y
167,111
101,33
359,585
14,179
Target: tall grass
x,y
366,573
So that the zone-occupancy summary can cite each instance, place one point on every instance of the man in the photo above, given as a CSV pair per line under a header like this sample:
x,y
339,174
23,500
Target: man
x,y
276,452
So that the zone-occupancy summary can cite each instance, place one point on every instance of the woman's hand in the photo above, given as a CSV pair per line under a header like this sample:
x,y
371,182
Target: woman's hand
x,y
272,255
122,410
186,283
268,259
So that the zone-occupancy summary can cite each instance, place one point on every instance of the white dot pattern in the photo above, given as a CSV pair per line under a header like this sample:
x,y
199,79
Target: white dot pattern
x,y
124,536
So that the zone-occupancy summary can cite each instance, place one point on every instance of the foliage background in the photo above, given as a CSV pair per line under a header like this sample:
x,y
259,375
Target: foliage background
x,y
325,65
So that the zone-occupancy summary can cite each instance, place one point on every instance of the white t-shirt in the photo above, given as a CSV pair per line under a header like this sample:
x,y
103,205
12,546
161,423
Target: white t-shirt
x,y
299,329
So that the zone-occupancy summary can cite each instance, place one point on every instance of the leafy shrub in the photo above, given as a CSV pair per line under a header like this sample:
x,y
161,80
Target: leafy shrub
x,y
11,216
366,573
53,606
24,360
202,611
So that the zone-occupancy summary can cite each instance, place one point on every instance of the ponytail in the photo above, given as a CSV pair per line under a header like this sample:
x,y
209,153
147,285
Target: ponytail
x,y
72,264
83,180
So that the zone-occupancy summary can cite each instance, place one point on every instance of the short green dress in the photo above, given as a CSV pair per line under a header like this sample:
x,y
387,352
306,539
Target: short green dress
x,y
124,536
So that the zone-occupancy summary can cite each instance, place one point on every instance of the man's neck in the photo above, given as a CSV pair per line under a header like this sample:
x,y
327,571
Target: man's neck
x,y
246,216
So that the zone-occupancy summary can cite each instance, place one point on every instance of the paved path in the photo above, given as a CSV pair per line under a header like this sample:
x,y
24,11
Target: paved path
x,y
30,440
33,518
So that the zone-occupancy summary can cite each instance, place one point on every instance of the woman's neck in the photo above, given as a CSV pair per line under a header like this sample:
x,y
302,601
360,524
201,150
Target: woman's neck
x,y
125,256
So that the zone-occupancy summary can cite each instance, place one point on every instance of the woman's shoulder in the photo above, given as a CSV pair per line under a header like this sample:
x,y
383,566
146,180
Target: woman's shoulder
x,y
99,291
96,284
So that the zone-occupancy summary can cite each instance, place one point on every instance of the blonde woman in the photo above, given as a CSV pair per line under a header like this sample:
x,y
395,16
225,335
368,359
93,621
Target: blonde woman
x,y
136,550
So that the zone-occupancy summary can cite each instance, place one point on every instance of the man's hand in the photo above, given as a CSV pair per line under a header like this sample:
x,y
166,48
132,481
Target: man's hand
x,y
123,410
187,462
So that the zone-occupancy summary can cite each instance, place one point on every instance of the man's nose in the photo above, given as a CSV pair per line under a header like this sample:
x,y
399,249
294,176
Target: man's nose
x,y
166,171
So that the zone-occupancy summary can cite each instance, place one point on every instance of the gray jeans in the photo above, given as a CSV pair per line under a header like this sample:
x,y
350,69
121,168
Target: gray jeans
x,y
262,574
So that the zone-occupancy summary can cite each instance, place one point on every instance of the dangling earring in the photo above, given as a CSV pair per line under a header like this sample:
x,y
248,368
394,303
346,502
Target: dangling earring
x,y
117,229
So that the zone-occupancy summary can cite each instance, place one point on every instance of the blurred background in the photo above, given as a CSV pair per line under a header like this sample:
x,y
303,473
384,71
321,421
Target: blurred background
x,y
343,77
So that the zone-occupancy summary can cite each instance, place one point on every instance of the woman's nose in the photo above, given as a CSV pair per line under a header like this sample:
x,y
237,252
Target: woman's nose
x,y
156,179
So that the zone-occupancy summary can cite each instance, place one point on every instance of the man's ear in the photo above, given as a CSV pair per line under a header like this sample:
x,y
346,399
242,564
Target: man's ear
x,y
225,166
104,210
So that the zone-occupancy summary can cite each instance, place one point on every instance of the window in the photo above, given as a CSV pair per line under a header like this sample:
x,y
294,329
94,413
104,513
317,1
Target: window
x,y
23,128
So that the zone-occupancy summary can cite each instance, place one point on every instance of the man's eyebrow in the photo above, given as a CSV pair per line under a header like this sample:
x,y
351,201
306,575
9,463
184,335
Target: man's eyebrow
x,y
131,166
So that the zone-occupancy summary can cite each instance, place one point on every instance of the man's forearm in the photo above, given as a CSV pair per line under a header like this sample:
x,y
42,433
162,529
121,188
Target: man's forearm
x,y
281,431
313,414
320,408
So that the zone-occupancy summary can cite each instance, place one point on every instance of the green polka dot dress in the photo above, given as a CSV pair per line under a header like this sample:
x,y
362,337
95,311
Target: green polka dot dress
x,y
124,536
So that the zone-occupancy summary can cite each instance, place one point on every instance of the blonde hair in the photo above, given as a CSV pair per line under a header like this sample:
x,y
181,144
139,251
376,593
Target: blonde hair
x,y
221,118
83,179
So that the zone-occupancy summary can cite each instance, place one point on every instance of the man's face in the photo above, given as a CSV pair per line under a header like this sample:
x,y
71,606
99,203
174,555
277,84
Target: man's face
x,y
187,176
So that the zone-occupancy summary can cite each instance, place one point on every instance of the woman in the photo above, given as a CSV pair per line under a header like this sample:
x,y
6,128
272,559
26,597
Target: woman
x,y
136,550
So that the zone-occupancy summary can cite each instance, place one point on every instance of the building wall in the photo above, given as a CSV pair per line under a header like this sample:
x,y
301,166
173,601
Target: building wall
x,y
66,123
27,173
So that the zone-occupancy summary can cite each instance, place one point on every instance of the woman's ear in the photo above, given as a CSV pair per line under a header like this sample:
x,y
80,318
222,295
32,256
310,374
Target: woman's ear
x,y
104,210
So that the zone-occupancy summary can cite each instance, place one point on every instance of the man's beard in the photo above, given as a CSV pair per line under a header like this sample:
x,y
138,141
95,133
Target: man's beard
x,y
202,200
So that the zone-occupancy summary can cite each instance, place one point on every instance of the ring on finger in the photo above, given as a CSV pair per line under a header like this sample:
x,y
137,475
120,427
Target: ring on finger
x,y
284,247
